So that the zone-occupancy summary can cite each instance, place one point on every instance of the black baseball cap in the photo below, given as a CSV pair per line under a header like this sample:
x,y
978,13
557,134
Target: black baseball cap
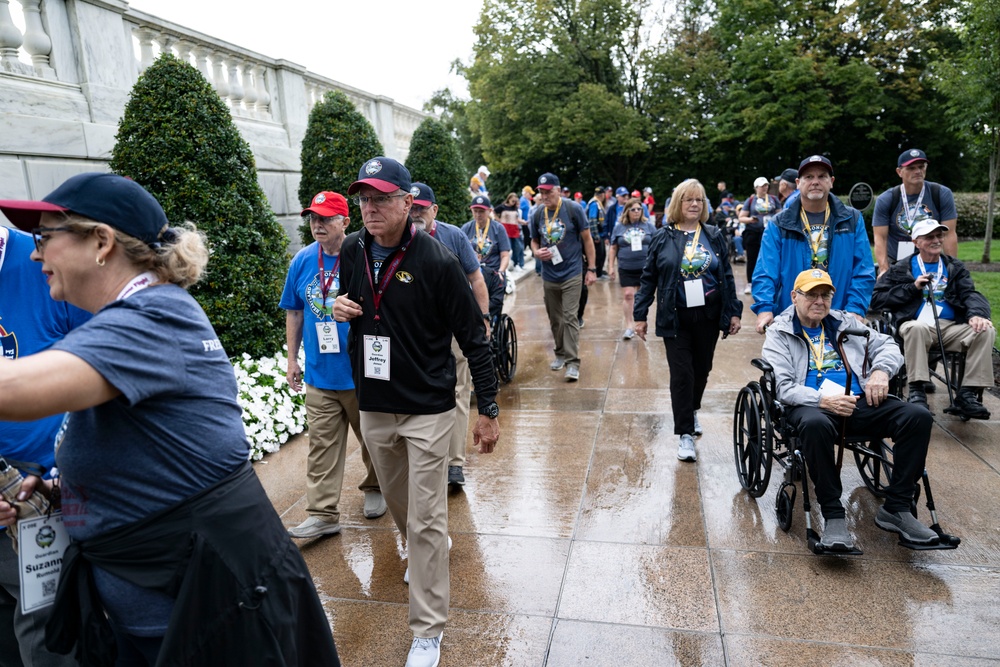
x,y
422,194
382,173
109,198
788,175
816,159
481,201
547,181
911,156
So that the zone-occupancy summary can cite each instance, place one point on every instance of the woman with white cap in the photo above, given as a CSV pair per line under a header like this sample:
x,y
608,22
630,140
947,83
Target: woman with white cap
x,y
757,212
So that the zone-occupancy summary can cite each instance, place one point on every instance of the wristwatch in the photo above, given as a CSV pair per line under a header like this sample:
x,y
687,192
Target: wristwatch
x,y
491,410
590,269
486,316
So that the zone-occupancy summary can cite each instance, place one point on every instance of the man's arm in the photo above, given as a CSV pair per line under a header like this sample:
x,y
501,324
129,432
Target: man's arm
x,y
293,339
881,236
590,277
765,283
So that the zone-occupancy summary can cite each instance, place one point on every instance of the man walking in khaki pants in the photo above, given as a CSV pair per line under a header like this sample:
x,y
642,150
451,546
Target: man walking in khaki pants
x,y
405,296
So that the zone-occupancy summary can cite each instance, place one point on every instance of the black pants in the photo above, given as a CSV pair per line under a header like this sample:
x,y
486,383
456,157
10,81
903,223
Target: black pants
x,y
751,246
600,254
907,424
689,357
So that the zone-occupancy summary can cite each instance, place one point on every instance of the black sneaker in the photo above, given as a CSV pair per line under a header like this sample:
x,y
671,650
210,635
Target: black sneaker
x,y
968,402
455,476
916,394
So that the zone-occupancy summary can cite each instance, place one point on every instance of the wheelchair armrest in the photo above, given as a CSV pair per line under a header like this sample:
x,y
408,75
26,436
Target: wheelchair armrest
x,y
762,365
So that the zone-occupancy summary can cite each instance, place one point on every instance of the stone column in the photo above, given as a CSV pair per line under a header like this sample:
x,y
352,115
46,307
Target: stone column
x,y
235,88
249,89
10,40
36,42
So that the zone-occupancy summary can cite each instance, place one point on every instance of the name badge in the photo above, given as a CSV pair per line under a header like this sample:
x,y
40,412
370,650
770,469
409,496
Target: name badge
x,y
41,543
830,388
926,315
327,337
377,357
904,249
556,255
636,243
694,292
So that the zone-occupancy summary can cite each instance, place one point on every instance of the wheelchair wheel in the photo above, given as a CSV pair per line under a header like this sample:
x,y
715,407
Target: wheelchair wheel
x,y
752,440
784,504
507,348
874,459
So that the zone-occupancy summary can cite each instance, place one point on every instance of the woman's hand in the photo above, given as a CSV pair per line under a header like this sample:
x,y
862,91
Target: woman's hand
x,y
640,330
734,325
31,483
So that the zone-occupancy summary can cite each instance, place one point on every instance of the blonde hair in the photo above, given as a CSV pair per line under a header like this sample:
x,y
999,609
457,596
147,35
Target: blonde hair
x,y
685,189
628,205
180,258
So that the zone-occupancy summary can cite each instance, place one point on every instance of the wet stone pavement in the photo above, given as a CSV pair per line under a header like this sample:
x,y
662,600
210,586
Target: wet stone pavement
x,y
584,541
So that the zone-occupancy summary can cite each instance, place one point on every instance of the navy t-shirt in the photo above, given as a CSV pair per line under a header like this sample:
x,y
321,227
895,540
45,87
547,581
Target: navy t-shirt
x,y
831,366
560,229
489,243
896,220
628,259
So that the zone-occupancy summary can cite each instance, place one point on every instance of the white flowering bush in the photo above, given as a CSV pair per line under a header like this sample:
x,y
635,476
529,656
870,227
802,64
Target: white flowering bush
x,y
272,412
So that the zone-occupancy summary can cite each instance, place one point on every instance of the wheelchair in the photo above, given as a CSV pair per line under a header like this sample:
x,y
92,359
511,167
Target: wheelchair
x,y
503,333
762,435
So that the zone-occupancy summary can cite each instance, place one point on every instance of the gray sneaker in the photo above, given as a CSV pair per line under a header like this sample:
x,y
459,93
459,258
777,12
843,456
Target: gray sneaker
x,y
455,476
697,424
906,525
685,451
572,373
836,537
558,364
374,504
314,527
425,652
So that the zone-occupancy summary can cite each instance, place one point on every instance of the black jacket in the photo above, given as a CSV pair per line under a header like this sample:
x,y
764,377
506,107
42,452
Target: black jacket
x,y
426,302
896,293
243,593
662,275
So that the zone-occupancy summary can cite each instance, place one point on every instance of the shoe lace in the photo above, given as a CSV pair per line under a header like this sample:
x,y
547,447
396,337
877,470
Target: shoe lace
x,y
424,644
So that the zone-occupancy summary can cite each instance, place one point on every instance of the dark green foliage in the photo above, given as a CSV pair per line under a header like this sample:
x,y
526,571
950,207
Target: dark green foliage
x,y
177,139
338,141
972,210
434,160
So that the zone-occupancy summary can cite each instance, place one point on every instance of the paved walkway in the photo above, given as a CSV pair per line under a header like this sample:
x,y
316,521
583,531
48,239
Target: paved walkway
x,y
584,541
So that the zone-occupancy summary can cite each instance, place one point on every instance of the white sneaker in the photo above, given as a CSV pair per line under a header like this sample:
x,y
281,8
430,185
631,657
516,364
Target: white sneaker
x,y
509,289
406,575
697,424
746,290
629,333
314,527
425,651
685,451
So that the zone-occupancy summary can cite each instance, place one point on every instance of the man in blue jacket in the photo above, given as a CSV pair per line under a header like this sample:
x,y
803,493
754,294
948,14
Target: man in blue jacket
x,y
816,232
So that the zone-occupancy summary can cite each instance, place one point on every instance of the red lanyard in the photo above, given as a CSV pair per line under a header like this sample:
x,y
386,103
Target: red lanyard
x,y
434,228
387,273
324,282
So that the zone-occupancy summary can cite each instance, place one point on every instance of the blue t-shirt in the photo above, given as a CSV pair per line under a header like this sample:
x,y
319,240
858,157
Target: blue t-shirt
x,y
561,229
702,265
628,259
525,205
945,311
304,292
453,239
487,246
30,322
896,220
832,367
819,238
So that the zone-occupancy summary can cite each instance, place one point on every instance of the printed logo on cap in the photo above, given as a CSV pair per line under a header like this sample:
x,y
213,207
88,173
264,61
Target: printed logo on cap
x,y
816,158
817,273
480,200
319,199
415,191
373,167
543,179
914,153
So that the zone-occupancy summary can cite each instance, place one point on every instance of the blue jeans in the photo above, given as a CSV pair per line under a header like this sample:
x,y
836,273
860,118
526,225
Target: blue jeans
x,y
738,242
517,251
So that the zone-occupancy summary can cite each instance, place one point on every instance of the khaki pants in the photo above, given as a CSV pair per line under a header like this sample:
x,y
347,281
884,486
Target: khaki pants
x,y
561,303
463,394
329,412
410,455
918,338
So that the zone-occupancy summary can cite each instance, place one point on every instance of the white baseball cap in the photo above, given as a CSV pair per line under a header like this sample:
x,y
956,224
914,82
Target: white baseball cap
x,y
760,181
925,227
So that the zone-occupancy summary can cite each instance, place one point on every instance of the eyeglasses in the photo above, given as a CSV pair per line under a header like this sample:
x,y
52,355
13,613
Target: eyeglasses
x,y
417,209
692,200
40,235
322,219
377,200
635,210
810,296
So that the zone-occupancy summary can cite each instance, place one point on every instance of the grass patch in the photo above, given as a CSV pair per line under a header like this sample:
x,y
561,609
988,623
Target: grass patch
x,y
988,284
972,251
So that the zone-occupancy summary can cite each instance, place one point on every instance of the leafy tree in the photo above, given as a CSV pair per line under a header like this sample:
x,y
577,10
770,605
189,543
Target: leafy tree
x,y
338,141
177,139
434,160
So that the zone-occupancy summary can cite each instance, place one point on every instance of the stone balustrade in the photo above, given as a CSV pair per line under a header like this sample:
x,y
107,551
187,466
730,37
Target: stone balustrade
x,y
65,77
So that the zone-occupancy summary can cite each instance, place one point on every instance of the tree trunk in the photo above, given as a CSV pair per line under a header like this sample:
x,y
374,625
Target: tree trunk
x,y
991,197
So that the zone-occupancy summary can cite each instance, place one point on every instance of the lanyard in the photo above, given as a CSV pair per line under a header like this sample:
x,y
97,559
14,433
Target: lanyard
x,y
808,231
140,282
911,214
434,228
482,238
693,245
817,351
387,273
3,245
549,221
324,282
936,279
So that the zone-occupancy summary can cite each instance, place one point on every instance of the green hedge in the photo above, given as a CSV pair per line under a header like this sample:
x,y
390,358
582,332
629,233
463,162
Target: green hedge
x,y
971,208
177,139
434,159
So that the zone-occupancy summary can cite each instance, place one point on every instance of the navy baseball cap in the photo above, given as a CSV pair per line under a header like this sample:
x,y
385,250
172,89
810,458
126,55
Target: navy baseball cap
x,y
911,156
547,181
109,198
422,194
816,159
788,175
382,173
621,191
481,201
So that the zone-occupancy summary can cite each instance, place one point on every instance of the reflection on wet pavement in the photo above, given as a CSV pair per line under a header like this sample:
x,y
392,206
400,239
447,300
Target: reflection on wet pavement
x,y
584,541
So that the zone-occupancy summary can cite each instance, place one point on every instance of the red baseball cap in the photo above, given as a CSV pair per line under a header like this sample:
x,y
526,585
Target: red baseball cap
x,y
328,204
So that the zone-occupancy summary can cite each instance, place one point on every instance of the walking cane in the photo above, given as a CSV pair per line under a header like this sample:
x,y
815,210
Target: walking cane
x,y
951,409
850,381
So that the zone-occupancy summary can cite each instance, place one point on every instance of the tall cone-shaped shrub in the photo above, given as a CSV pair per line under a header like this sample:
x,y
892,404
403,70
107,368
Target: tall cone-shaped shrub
x,y
434,159
338,141
178,140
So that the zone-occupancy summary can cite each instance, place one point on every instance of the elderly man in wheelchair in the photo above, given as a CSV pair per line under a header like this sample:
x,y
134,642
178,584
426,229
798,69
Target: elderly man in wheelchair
x,y
824,397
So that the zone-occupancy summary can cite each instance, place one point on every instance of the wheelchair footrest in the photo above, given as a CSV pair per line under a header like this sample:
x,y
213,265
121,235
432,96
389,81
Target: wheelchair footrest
x,y
812,537
945,541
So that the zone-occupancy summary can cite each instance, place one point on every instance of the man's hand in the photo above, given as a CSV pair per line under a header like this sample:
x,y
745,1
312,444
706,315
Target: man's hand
x,y
31,483
763,319
980,324
543,254
877,389
486,434
734,325
922,281
345,310
294,374
840,405
589,277
640,330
